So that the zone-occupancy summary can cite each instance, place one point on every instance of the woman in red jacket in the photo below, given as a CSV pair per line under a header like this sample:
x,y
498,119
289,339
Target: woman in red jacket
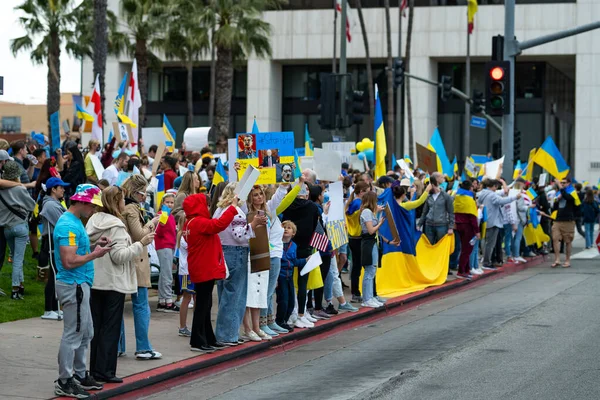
x,y
206,263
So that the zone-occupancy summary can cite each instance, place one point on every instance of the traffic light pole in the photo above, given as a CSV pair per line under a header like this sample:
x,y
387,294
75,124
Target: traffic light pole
x,y
343,69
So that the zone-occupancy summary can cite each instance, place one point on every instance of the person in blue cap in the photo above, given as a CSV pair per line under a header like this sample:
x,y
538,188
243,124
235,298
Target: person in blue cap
x,y
50,211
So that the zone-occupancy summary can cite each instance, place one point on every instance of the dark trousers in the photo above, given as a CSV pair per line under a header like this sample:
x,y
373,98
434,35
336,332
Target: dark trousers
x,y
51,304
454,257
107,313
355,250
466,234
324,272
498,255
202,330
302,284
2,247
286,299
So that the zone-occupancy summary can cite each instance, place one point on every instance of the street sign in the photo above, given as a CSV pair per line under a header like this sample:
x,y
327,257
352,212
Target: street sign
x,y
478,122
1,85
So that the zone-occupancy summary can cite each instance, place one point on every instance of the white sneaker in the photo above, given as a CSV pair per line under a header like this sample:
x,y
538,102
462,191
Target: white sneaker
x,y
300,324
372,303
381,300
476,272
253,336
293,318
263,335
51,315
191,305
178,303
481,272
521,260
307,321
310,318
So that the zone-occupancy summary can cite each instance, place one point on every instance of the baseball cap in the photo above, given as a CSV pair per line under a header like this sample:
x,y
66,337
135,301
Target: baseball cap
x,y
5,156
53,182
405,182
87,193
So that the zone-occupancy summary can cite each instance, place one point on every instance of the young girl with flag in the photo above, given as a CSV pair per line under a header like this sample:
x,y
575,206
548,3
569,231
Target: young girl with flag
x,y
164,242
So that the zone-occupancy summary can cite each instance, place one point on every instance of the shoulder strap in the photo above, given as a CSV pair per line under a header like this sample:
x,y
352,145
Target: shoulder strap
x,y
12,210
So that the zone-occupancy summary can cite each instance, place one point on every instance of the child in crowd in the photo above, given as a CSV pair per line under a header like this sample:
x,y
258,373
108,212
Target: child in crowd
x,y
164,242
286,295
187,287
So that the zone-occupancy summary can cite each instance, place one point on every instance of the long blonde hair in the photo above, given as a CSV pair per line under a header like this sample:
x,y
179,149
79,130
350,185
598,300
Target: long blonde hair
x,y
133,184
227,196
263,207
187,183
111,201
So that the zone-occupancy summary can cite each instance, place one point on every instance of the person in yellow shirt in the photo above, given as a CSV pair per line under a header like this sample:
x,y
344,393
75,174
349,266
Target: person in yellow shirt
x,y
90,172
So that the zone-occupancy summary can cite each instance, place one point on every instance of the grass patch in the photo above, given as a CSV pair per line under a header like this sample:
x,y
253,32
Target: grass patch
x,y
33,304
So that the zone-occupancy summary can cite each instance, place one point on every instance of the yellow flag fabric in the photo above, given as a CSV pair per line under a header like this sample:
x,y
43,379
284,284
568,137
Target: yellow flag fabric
x,y
464,203
314,279
535,236
380,145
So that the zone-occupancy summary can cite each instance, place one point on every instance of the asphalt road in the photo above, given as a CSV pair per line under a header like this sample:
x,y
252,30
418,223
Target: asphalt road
x,y
531,335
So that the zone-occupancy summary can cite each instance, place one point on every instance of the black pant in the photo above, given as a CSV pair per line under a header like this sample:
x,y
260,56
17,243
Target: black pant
x,y
497,255
286,300
356,265
51,304
107,313
202,330
302,283
2,247
324,272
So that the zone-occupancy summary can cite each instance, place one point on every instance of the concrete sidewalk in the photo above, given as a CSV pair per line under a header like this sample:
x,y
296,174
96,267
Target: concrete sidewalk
x,y
28,349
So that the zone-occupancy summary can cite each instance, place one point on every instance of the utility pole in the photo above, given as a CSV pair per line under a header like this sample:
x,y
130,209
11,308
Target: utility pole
x,y
334,58
343,69
399,144
508,120
467,137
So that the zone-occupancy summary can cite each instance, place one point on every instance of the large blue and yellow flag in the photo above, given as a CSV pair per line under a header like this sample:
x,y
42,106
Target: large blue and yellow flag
x,y
380,145
220,174
533,232
415,264
548,157
169,134
308,146
437,145
83,114
297,166
573,193
483,225
120,104
518,170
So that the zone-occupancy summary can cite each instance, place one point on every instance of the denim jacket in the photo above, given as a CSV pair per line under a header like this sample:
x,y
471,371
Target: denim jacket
x,y
289,261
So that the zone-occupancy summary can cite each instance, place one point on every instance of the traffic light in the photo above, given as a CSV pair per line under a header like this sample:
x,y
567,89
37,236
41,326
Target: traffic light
x,y
398,72
355,111
478,105
446,87
497,98
327,102
517,143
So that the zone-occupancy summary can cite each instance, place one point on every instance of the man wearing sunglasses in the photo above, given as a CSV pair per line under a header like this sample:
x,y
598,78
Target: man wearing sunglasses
x,y
563,228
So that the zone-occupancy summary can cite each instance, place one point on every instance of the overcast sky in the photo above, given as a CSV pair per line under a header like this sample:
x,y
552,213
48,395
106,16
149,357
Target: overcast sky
x,y
23,81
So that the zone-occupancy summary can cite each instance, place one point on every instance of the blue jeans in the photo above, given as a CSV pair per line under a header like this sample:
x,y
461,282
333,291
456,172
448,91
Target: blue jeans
x,y
435,233
474,260
456,253
16,237
273,275
508,239
141,321
589,234
516,243
232,294
369,276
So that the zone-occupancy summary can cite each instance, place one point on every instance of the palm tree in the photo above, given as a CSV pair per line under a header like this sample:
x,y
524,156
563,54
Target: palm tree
x,y
100,44
185,40
369,69
145,20
49,26
238,31
390,79
411,143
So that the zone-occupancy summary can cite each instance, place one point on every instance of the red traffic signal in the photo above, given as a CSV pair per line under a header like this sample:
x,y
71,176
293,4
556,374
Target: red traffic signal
x,y
497,96
497,73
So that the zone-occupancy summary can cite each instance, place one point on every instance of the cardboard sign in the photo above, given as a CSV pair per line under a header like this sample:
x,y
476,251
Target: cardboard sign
x,y
427,159
246,183
271,152
337,233
328,165
390,220
159,153
124,131
196,138
313,262
471,168
260,259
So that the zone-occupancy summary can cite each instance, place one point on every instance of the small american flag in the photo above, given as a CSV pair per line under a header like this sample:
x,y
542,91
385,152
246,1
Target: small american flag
x,y
319,240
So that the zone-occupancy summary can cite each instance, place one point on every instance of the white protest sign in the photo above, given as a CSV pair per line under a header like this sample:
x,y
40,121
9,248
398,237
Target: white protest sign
x,y
470,167
196,138
343,148
222,156
313,262
336,197
152,136
246,183
543,179
356,163
98,167
405,167
492,168
307,162
327,165
232,155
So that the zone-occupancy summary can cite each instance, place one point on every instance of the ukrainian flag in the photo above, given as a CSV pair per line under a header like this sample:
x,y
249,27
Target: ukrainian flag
x,y
532,194
528,168
533,232
160,190
407,159
570,190
83,114
380,145
298,168
437,145
120,99
394,161
220,173
164,215
518,170
549,158
454,167
483,226
415,264
308,146
464,203
169,134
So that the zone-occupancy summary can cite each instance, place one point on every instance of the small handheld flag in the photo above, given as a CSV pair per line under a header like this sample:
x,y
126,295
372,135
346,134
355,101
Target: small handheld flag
x,y
83,114
308,146
220,173
570,190
169,133
164,214
531,194
297,167
319,240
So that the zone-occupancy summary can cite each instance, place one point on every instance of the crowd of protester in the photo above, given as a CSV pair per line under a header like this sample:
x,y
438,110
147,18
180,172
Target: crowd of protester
x,y
99,235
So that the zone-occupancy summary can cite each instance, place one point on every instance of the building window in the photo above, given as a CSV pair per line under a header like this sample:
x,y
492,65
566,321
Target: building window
x,y
11,124
325,4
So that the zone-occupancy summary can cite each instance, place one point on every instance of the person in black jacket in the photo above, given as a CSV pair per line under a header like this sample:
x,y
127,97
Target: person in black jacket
x,y
563,228
305,215
74,173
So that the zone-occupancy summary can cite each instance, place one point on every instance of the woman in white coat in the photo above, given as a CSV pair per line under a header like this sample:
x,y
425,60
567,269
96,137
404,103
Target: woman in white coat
x,y
114,277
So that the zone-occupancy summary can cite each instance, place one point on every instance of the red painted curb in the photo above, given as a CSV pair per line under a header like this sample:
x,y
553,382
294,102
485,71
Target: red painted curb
x,y
177,373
